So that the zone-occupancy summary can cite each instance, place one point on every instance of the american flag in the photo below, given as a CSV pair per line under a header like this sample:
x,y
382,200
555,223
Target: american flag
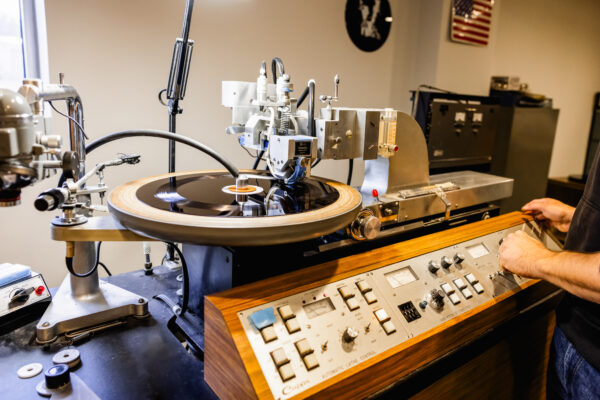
x,y
471,21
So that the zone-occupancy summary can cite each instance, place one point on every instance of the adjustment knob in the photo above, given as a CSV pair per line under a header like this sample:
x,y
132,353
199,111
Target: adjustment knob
x,y
350,334
365,226
446,262
369,227
435,298
433,267
459,258
20,296
57,376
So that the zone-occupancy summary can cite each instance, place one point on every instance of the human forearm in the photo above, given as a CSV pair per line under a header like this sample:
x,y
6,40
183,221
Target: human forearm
x,y
577,273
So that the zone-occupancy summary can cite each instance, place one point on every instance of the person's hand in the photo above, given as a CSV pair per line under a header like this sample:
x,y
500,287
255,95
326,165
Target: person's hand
x,y
519,253
550,212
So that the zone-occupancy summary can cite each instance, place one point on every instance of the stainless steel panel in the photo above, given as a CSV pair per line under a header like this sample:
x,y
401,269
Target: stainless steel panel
x,y
474,188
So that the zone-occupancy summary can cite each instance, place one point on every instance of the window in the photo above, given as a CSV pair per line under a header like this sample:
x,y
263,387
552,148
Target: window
x,y
23,43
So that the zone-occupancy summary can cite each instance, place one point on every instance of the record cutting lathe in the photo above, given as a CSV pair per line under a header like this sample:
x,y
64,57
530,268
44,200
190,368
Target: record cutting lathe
x,y
356,306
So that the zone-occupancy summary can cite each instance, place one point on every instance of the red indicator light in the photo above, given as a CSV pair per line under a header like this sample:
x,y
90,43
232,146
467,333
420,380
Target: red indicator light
x,y
375,193
39,290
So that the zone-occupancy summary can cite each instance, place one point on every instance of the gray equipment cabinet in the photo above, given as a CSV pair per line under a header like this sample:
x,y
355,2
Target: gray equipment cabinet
x,y
522,151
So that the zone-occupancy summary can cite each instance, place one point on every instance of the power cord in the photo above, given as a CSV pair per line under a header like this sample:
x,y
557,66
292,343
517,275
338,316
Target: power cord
x,y
186,279
69,263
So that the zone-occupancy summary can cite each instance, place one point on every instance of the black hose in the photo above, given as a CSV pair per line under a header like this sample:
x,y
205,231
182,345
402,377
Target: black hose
x,y
258,158
276,63
302,97
161,134
350,168
186,279
69,262
316,163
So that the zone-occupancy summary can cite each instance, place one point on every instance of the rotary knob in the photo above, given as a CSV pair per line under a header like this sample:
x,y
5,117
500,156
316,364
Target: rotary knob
x,y
435,299
433,267
350,334
459,258
446,262
365,226
369,227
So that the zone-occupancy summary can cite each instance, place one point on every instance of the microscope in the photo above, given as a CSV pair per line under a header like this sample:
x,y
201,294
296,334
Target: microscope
x,y
29,154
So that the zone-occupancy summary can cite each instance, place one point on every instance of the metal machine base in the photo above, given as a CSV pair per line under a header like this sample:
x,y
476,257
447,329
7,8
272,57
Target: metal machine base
x,y
68,313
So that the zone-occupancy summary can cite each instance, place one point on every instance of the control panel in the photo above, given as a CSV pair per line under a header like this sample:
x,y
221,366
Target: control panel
x,y
23,293
304,339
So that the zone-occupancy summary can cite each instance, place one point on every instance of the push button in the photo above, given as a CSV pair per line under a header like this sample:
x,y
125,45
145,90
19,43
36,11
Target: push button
x,y
292,325
268,334
279,357
370,297
454,298
381,315
471,279
447,288
478,288
467,293
311,361
303,347
363,286
286,312
388,327
460,283
345,292
352,303
263,318
286,372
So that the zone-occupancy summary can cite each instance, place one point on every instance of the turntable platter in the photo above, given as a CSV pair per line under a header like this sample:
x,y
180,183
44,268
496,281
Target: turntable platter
x,y
192,207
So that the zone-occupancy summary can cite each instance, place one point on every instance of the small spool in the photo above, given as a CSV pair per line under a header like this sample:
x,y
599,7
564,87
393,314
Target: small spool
x,y
70,357
30,370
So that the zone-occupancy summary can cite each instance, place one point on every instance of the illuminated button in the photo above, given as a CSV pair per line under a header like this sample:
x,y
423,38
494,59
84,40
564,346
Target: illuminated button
x,y
303,347
370,297
311,361
352,303
460,283
345,292
389,327
286,312
286,372
263,318
381,315
447,288
478,288
292,325
279,357
363,286
268,334
471,279
454,298
467,293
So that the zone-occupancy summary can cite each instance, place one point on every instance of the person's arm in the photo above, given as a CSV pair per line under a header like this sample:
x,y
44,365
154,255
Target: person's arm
x,y
550,212
577,273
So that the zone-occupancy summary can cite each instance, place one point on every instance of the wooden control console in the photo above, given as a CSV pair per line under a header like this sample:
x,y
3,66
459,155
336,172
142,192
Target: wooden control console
x,y
355,326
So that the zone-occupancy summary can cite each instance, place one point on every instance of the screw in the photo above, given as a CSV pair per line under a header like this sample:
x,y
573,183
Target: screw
x,y
46,324
141,301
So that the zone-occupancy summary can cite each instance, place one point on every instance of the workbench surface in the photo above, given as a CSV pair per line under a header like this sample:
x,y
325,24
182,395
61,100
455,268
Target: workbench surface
x,y
139,360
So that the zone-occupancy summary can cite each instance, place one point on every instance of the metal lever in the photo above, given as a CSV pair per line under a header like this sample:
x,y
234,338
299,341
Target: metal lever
x,y
329,99
439,192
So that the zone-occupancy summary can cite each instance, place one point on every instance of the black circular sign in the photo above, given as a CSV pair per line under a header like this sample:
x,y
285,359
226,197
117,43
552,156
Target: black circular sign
x,y
368,23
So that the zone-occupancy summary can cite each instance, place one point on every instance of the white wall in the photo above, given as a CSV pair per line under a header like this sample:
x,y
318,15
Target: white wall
x,y
117,54
552,45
